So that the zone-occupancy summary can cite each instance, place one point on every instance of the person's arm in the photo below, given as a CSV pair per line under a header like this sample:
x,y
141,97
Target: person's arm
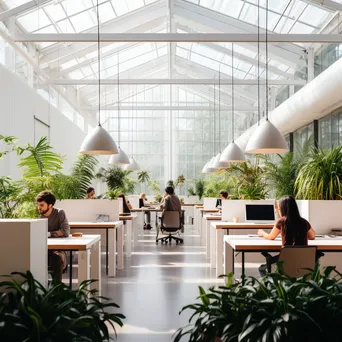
x,y
269,236
276,209
64,228
311,233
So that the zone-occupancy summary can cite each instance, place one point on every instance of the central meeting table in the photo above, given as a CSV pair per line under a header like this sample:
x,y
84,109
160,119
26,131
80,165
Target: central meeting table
x,y
252,244
89,256
114,242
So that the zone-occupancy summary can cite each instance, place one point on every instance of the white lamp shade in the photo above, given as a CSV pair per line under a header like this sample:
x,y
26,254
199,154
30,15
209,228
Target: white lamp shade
x,y
204,170
219,164
99,141
233,153
120,158
133,165
210,167
266,139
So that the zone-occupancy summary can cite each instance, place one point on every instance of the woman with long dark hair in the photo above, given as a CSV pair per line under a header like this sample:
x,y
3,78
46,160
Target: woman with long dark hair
x,y
294,229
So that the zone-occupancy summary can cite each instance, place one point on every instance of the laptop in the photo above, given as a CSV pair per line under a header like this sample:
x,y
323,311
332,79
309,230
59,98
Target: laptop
x,y
259,213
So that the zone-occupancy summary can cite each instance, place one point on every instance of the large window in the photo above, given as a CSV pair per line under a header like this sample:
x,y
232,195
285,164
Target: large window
x,y
330,130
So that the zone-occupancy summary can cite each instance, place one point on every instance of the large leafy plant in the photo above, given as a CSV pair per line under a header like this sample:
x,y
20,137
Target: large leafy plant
x,y
320,177
29,312
273,309
9,197
217,182
84,170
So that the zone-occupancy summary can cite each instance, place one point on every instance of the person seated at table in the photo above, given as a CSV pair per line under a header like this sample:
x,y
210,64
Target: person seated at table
x,y
171,202
223,196
294,230
144,203
90,193
58,226
126,208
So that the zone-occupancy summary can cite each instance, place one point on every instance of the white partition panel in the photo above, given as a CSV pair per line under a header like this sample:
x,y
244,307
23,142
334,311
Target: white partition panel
x,y
133,200
209,203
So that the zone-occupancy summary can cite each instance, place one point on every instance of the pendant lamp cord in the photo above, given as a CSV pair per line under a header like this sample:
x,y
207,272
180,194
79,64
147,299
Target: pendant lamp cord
x,y
219,110
266,60
118,101
214,121
233,92
98,56
258,61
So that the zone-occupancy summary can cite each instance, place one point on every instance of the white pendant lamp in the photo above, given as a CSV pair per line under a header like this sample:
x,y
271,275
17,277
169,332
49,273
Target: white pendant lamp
x,y
210,167
266,139
133,165
233,153
99,141
204,170
219,164
120,158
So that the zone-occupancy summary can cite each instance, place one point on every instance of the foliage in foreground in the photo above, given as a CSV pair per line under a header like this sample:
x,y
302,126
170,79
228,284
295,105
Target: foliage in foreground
x,y
273,309
29,312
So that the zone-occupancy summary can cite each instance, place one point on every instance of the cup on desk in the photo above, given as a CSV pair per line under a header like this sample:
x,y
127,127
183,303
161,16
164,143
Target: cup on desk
x,y
236,219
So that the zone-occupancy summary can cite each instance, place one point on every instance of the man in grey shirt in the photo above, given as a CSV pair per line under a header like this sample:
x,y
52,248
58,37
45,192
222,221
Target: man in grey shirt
x,y
171,202
58,226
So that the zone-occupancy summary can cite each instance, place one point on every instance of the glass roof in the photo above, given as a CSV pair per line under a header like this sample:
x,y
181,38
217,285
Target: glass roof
x,y
144,60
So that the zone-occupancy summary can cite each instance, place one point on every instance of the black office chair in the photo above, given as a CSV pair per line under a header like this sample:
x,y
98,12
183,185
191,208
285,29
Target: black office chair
x,y
170,224
141,202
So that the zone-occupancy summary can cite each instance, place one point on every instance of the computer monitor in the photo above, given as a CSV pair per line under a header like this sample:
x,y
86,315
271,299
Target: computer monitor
x,y
259,212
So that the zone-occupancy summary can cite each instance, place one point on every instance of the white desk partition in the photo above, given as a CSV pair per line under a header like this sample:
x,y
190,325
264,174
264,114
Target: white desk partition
x,y
236,208
133,200
209,203
23,247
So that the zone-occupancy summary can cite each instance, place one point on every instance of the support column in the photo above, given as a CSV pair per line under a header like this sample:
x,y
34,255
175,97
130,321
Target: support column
x,y
311,64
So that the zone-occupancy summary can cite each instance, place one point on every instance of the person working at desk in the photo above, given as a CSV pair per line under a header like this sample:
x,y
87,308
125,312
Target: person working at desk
x,y
125,206
171,202
144,203
294,230
90,193
58,226
223,196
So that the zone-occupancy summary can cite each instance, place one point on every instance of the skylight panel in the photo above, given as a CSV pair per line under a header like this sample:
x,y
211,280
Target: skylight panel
x,y
209,63
242,65
185,45
87,70
14,3
244,51
250,15
239,74
34,20
55,11
295,9
231,7
284,25
83,21
47,29
73,7
301,28
106,12
68,64
77,74
208,52
196,2
162,51
314,16
120,7
147,2
135,4
182,52
65,26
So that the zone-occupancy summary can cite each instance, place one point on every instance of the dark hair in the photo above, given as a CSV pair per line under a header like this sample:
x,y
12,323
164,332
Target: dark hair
x,y
293,221
90,189
124,203
224,193
169,190
46,196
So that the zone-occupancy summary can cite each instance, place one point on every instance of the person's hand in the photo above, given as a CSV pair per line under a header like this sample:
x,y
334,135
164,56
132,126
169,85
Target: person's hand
x,y
276,206
261,232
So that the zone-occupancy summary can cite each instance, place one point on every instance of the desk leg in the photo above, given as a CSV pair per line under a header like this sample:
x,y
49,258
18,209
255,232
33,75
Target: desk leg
x,y
119,246
112,252
212,247
228,259
95,269
107,251
128,238
243,267
204,231
135,232
219,251
70,272
208,238
83,265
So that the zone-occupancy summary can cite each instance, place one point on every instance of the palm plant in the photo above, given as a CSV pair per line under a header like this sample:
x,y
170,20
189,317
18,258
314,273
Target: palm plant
x,y
41,161
30,312
320,177
84,170
199,187
143,178
9,197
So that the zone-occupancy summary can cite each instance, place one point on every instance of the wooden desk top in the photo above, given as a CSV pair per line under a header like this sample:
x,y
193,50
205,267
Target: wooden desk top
x,y
189,204
92,225
209,210
198,206
130,217
148,209
212,217
242,225
247,243
73,243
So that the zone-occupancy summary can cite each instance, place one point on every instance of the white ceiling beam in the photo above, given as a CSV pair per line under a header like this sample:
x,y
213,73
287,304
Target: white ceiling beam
x,y
22,8
178,37
188,81
328,4
157,107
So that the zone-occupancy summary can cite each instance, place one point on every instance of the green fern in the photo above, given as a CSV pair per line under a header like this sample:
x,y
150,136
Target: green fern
x,y
84,170
41,161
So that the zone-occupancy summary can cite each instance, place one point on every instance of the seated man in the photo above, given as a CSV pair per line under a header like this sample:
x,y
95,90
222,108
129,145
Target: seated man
x,y
223,196
58,226
171,202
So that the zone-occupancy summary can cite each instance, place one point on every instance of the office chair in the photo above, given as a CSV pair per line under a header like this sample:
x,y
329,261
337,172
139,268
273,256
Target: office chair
x,y
170,224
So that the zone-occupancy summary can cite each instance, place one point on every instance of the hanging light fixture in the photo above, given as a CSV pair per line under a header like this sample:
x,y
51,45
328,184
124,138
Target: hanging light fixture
x,y
266,139
121,158
217,163
233,153
99,141
133,165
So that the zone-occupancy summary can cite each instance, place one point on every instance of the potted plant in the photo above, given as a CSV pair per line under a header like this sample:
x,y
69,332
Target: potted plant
x,y
29,312
272,309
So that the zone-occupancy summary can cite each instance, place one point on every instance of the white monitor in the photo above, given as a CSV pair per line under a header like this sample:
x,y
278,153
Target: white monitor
x,y
259,212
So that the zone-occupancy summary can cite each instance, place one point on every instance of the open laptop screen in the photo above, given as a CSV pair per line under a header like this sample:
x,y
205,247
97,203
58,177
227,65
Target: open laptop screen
x,y
259,212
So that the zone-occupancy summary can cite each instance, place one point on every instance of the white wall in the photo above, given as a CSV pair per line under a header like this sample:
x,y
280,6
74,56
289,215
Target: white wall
x,y
19,103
